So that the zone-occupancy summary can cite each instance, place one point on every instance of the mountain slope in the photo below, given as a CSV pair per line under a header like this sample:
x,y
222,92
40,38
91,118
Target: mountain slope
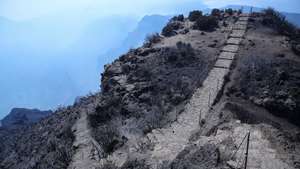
x,y
185,99
46,144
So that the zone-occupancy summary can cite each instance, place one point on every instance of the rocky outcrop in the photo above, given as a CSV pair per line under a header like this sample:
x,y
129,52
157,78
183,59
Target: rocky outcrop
x,y
20,117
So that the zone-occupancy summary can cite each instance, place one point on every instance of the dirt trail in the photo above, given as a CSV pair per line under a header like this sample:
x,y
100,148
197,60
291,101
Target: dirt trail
x,y
87,149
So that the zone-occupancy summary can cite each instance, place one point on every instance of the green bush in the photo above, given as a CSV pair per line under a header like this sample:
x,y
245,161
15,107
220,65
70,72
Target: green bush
x,y
194,15
206,23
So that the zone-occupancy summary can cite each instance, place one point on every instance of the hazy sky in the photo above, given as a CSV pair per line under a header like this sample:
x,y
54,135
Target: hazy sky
x,y
28,9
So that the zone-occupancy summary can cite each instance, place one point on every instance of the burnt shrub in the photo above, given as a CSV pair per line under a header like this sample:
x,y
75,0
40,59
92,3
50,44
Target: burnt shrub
x,y
179,18
135,164
273,84
206,23
229,11
239,11
194,15
296,48
276,20
179,55
105,111
185,50
108,137
152,39
170,28
216,12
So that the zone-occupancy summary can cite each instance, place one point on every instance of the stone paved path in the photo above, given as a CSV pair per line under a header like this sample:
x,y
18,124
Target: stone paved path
x,y
170,141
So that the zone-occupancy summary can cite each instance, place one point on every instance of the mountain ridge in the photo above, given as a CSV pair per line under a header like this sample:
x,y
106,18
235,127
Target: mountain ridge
x,y
22,117
184,99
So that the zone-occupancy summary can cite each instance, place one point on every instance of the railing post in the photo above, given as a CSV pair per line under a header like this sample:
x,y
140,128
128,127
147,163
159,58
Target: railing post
x,y
209,99
247,151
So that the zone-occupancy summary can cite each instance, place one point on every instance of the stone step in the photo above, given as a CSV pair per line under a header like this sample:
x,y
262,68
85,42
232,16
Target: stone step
x,y
237,34
220,67
234,41
244,15
230,48
243,18
239,27
241,23
223,63
227,55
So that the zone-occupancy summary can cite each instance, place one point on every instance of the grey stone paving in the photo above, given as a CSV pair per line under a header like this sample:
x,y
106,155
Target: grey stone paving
x,y
239,27
241,23
237,33
243,18
227,55
234,41
222,63
231,48
244,15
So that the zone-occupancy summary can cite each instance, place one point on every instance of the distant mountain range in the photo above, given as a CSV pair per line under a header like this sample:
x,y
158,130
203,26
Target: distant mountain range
x,y
155,23
20,117
47,63
147,25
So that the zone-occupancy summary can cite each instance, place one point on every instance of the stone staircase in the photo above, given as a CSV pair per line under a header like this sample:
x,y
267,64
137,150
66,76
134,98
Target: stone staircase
x,y
170,141
232,45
